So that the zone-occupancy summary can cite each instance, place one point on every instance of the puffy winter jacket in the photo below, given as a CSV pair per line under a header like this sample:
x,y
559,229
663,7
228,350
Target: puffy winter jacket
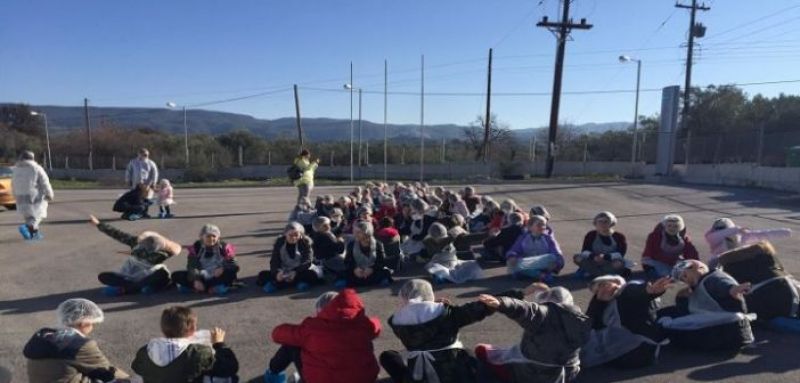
x,y
66,356
653,250
336,345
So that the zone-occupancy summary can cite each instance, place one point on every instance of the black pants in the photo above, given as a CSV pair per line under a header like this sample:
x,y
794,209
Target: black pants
x,y
130,209
305,276
164,209
375,278
394,364
227,278
285,356
157,281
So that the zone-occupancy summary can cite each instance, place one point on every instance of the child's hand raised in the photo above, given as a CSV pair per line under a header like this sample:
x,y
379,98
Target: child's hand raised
x,y
217,335
93,220
489,301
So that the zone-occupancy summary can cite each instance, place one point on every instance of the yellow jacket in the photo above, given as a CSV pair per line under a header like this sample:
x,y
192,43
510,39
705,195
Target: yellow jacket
x,y
308,169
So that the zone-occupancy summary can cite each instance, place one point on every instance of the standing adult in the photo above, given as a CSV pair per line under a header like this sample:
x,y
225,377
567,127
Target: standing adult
x,y
307,168
32,191
142,171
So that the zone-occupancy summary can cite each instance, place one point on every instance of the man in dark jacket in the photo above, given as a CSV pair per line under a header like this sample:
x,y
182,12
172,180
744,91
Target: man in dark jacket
x,y
183,355
429,330
66,354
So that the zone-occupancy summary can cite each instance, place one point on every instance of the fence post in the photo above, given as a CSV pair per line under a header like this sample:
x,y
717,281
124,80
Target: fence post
x,y
241,156
760,151
585,154
212,160
66,162
331,159
269,158
162,163
113,162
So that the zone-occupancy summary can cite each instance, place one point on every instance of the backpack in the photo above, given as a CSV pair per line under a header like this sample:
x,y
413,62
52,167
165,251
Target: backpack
x,y
294,172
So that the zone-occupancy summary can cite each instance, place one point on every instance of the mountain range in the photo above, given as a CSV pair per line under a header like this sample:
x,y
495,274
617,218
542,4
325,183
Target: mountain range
x,y
67,118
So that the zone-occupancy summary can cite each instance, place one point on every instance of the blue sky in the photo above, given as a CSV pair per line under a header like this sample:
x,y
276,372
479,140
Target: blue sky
x,y
148,52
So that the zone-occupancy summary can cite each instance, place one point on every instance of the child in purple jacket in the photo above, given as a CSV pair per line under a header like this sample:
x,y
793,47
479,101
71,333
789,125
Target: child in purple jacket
x,y
536,253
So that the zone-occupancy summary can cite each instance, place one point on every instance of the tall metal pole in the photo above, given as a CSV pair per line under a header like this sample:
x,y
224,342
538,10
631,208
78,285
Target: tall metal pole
x,y
488,122
688,85
385,120
351,122
561,30
636,111
88,130
360,127
422,120
186,136
297,116
47,140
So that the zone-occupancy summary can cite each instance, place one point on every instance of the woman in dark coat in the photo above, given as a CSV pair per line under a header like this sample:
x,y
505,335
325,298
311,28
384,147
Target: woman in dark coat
x,y
365,258
291,262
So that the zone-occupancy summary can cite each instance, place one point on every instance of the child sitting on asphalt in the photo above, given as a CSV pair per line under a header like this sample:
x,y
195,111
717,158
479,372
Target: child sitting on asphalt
x,y
554,329
286,355
165,198
338,222
365,259
143,270
185,354
444,265
336,344
328,249
291,263
388,235
210,265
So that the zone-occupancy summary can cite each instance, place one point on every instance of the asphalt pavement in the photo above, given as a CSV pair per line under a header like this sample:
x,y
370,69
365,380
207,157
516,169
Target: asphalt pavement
x,y
37,276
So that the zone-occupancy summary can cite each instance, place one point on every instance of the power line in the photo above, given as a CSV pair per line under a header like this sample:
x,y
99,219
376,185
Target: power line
x,y
755,21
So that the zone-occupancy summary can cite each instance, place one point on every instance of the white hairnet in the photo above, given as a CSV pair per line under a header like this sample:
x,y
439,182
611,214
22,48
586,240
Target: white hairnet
x,y
75,311
210,229
324,299
417,289
150,241
437,230
554,295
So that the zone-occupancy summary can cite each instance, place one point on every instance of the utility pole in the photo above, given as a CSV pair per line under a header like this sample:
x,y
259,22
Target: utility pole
x,y
88,130
297,115
562,30
422,120
695,30
488,118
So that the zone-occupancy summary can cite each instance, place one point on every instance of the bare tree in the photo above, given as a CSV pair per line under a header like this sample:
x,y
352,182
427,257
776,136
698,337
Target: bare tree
x,y
499,133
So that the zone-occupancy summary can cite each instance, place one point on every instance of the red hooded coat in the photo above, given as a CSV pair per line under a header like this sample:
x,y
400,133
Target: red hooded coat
x,y
336,345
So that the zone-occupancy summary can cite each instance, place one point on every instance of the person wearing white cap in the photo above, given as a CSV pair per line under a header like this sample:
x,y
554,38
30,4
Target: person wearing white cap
x,y
554,329
211,264
623,317
429,329
65,353
710,313
603,250
32,190
724,235
666,245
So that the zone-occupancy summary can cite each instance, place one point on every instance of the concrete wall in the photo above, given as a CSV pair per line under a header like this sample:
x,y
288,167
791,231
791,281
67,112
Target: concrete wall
x,y
746,174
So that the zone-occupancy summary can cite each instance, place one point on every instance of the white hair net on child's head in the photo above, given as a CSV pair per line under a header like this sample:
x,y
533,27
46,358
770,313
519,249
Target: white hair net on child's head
x,y
294,226
210,229
324,299
540,210
150,241
417,290
437,230
419,205
558,295
73,312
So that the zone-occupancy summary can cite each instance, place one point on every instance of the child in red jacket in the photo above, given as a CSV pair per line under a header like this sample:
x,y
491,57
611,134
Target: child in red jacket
x,y
336,345
666,245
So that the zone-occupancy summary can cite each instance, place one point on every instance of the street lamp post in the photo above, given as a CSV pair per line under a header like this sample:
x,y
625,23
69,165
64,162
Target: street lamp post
x,y
624,59
173,105
350,87
46,137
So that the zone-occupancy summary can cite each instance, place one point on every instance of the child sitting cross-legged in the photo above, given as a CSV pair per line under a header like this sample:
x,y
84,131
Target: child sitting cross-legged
x,y
328,249
291,263
185,354
210,265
